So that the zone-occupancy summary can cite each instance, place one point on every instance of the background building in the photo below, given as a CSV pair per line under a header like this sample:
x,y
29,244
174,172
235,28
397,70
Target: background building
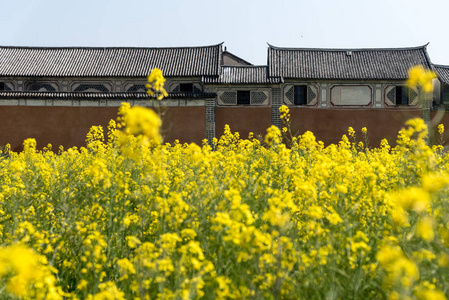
x,y
56,94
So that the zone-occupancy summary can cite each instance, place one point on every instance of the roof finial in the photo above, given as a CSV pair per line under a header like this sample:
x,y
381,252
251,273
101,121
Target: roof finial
x,y
225,48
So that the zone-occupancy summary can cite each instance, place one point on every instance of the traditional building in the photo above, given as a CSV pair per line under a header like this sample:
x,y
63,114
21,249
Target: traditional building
x,y
56,94
442,91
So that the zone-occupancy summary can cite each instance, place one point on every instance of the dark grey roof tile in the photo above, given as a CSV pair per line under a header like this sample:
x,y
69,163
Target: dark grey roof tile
x,y
93,62
92,95
243,75
443,73
346,64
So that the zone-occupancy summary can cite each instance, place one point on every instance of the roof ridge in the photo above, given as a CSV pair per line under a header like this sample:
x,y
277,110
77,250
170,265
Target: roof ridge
x,y
249,66
100,48
346,49
441,66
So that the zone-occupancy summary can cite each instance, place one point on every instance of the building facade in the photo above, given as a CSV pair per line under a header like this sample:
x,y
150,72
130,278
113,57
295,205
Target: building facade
x,y
56,94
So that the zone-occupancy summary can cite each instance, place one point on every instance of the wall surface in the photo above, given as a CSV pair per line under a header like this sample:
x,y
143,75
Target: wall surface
x,y
243,120
68,126
329,125
187,124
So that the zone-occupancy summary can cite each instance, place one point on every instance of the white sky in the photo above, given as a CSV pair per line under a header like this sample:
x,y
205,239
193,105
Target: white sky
x,y
246,26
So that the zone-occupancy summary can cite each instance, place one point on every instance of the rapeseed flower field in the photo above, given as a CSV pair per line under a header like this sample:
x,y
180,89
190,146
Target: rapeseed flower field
x,y
127,217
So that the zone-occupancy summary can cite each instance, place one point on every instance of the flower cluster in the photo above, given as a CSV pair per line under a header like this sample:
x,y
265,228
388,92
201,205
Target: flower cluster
x,y
419,76
239,219
155,85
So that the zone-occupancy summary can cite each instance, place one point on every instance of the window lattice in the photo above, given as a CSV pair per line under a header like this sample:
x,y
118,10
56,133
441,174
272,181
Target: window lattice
x,y
412,94
391,95
41,87
91,88
290,94
229,97
310,95
258,98
137,88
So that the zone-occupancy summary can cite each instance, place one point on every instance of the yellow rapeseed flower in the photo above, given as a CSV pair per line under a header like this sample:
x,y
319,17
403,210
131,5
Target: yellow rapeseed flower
x,y
424,229
419,76
156,84
144,122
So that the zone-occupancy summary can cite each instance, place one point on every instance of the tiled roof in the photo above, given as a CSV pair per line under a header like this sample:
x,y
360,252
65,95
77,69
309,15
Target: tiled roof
x,y
443,73
91,95
346,64
93,62
243,75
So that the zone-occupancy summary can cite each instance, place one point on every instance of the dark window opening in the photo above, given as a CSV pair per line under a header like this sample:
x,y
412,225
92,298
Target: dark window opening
x,y
401,95
300,93
137,88
91,87
445,94
41,87
186,87
2,86
244,97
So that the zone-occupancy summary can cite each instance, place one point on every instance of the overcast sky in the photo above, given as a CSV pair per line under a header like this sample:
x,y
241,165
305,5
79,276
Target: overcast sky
x,y
245,26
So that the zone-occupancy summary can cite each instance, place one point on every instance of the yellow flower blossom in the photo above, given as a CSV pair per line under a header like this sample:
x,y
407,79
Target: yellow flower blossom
x,y
440,128
156,84
143,121
419,76
239,219
425,230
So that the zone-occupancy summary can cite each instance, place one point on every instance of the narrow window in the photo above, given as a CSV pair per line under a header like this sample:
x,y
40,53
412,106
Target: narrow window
x,y
2,86
445,94
243,97
401,95
186,87
300,93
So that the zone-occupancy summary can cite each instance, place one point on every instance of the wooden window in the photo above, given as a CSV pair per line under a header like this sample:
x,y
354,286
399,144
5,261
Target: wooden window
x,y
243,97
300,95
402,95
186,87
